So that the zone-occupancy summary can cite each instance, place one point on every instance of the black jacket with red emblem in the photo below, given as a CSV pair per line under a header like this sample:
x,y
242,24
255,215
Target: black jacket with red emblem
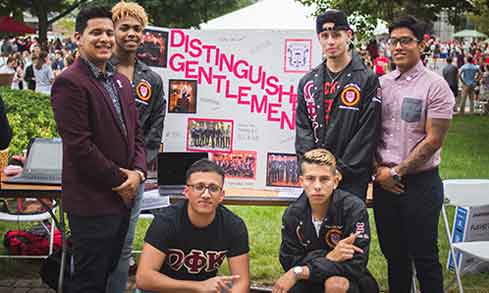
x,y
354,125
301,246
147,88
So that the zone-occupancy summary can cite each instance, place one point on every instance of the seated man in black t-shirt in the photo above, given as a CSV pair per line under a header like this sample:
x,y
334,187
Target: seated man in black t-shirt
x,y
325,234
188,241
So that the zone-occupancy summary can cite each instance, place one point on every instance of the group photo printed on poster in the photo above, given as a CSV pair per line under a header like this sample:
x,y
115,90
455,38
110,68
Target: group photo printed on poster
x,y
182,95
238,164
211,135
154,49
282,170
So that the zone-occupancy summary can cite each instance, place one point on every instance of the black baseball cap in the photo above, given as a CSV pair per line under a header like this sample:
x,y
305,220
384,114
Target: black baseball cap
x,y
335,16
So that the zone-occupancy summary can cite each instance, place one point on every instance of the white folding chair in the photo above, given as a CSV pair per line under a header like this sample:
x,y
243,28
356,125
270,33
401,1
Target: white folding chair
x,y
39,217
465,193
413,279
480,105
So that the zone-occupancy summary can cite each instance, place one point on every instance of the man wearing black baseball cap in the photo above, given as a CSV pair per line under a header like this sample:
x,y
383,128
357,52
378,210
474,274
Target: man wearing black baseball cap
x,y
338,107
335,17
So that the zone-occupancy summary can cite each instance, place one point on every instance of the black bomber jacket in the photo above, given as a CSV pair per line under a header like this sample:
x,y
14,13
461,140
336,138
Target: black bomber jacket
x,y
301,246
354,127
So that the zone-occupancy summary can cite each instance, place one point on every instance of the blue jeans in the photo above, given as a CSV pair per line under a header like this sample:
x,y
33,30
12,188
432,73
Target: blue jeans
x,y
118,278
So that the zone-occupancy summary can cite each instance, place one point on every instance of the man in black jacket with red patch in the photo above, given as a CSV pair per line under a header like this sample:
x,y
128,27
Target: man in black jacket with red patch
x,y
325,234
338,108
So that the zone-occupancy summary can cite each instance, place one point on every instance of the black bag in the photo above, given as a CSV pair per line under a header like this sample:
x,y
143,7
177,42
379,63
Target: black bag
x,y
50,268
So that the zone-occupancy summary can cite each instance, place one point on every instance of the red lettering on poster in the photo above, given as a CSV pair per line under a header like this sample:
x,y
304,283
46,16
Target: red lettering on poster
x,y
219,69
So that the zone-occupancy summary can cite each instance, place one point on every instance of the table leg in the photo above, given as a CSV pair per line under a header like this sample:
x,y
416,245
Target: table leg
x,y
63,246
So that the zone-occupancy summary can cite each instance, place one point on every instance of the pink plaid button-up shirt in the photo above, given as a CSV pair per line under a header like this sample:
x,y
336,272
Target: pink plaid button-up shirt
x,y
408,100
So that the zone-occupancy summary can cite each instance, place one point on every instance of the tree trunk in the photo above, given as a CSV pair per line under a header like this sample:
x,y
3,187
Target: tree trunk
x,y
18,15
42,14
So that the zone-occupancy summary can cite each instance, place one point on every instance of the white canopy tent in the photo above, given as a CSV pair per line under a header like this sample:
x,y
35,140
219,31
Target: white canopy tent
x,y
381,28
267,15
273,15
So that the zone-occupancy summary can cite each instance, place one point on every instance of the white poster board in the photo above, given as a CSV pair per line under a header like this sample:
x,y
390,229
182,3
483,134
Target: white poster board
x,y
233,94
469,224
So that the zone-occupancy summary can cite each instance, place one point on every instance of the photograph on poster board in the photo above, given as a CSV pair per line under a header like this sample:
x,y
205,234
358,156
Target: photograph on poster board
x,y
297,55
211,135
282,170
154,49
238,164
183,96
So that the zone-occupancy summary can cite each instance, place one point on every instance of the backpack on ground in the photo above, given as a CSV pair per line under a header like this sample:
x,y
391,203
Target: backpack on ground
x,y
20,242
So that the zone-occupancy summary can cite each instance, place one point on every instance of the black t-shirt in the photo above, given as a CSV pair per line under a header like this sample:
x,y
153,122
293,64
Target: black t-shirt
x,y
332,87
196,253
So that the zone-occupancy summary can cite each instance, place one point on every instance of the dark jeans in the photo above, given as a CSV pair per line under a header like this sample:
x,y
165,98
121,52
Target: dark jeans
x,y
407,226
454,90
97,243
358,189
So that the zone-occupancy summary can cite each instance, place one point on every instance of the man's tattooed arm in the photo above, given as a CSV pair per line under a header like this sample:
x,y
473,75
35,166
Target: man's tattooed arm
x,y
436,130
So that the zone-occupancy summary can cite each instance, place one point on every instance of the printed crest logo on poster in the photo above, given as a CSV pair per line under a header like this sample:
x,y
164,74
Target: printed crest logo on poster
x,y
297,55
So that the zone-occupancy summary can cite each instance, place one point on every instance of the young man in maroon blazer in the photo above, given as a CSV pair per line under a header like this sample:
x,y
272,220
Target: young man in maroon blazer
x,y
103,151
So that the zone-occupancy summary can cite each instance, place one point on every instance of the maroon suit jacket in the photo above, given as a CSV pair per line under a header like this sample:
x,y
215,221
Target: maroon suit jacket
x,y
94,146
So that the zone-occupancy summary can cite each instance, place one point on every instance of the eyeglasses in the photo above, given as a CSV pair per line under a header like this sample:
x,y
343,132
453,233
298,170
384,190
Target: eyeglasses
x,y
200,188
404,41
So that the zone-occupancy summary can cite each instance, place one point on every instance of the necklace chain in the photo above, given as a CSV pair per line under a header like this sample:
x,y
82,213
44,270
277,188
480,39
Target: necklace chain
x,y
338,74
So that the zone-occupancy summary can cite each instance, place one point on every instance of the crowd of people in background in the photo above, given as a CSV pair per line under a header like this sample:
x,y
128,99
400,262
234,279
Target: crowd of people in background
x,y
33,67
463,64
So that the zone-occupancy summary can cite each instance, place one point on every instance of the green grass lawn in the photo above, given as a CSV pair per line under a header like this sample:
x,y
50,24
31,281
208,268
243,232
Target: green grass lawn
x,y
465,155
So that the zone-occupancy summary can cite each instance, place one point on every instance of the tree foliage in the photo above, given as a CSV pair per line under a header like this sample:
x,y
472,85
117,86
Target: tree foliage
x,y
188,13
42,9
30,115
426,10
481,20
168,13
185,13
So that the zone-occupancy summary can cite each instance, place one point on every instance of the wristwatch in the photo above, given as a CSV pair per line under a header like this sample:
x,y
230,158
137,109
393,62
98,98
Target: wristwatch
x,y
298,272
142,178
395,175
